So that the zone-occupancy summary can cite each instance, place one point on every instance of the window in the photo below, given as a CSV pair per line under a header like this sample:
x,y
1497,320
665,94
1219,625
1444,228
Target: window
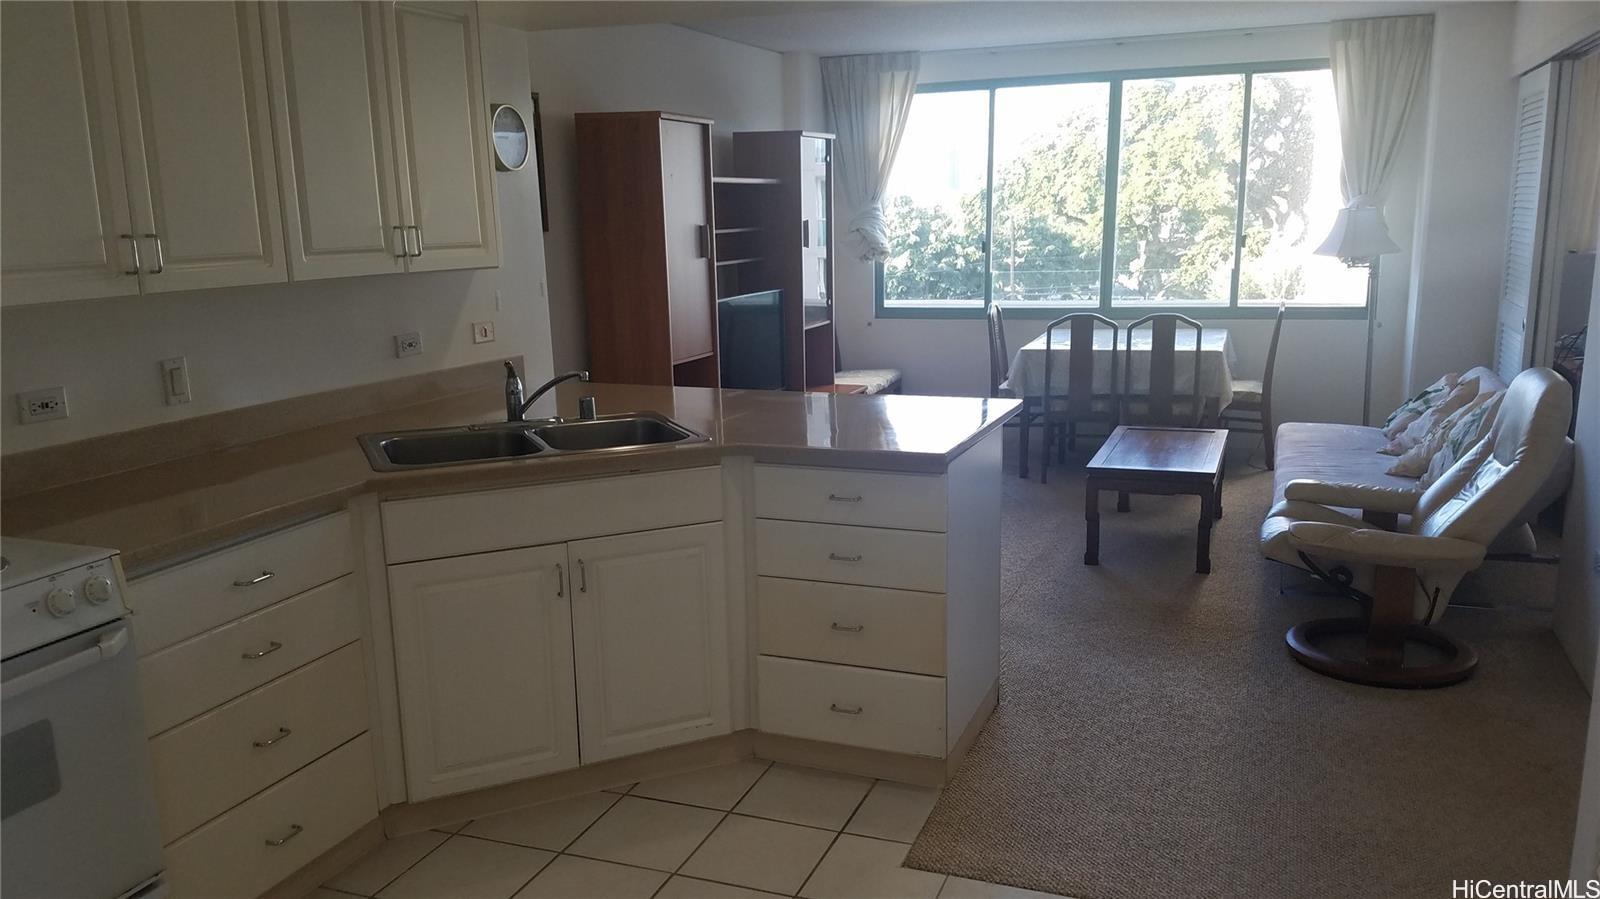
x,y
1189,189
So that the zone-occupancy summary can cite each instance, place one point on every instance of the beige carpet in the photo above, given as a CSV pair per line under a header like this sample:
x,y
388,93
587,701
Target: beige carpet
x,y
1154,739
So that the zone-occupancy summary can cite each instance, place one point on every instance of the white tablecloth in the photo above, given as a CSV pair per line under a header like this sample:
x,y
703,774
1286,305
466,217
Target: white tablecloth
x,y
1026,377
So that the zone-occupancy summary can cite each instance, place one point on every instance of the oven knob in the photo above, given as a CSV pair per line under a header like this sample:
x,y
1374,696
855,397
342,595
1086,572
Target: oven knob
x,y
60,602
97,590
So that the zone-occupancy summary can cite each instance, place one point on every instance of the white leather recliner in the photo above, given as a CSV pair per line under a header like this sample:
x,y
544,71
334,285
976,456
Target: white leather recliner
x,y
1405,578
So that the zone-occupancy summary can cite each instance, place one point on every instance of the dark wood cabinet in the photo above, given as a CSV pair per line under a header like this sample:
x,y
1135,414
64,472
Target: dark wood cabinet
x,y
645,225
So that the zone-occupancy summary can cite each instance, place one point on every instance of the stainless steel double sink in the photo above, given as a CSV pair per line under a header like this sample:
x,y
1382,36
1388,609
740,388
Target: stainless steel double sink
x,y
434,447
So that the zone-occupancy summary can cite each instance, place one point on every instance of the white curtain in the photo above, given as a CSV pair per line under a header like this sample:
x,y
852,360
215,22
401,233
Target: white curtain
x,y
868,100
1580,201
1378,66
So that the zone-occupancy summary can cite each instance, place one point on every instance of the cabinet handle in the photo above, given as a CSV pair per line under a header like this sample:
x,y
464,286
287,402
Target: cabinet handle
x,y
561,589
836,498
161,256
263,744
263,577
805,234
835,557
294,831
844,709
137,264
702,237
272,647
402,248
849,628
417,229
583,578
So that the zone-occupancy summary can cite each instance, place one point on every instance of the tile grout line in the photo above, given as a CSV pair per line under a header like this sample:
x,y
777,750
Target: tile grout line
x,y
390,882
838,833
728,812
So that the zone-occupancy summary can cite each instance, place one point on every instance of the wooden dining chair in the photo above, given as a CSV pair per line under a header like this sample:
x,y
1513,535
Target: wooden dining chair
x,y
1250,410
1083,400
1163,404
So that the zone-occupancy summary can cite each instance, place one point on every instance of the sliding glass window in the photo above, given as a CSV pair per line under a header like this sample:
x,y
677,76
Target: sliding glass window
x,y
1201,189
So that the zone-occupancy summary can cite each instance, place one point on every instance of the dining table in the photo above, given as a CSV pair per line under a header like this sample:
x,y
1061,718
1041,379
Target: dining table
x,y
1026,375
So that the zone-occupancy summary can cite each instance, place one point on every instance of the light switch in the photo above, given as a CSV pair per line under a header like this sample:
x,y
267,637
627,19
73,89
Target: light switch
x,y
175,380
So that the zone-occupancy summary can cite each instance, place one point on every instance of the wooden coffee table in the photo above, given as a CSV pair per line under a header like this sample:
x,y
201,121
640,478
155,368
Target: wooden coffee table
x,y
1161,461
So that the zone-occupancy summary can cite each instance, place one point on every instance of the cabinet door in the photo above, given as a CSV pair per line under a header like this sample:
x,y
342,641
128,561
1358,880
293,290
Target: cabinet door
x,y
443,145
685,180
483,658
816,209
330,90
64,197
651,633
192,85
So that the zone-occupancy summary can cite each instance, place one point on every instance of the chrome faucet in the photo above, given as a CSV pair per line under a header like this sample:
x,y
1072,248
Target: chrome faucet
x,y
516,406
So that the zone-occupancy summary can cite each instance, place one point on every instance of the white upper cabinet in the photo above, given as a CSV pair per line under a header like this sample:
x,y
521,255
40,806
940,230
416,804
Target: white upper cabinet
x,y
202,178
63,199
330,88
442,140
650,628
483,656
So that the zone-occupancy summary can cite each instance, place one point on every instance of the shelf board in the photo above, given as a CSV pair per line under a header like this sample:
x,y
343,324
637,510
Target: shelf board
x,y
812,326
737,230
706,355
734,179
740,261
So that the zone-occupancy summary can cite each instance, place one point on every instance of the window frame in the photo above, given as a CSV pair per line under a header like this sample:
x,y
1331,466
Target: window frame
x,y
1114,80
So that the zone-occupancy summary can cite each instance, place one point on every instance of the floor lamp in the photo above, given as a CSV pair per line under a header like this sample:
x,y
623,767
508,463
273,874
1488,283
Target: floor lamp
x,y
1359,237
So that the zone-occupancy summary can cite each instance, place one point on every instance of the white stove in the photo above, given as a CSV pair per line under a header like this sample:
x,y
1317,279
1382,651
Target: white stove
x,y
77,810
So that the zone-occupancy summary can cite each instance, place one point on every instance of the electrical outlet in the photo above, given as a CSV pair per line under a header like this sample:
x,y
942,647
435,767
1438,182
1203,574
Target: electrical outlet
x,y
483,332
407,344
175,380
34,406
1596,562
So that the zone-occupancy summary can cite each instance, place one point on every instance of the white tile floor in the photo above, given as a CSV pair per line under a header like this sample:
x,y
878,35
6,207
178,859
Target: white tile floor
x,y
742,831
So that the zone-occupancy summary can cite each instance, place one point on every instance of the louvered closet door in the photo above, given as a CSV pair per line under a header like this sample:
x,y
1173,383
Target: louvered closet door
x,y
1530,185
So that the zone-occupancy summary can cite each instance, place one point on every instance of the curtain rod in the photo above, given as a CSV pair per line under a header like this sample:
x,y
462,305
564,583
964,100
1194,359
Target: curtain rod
x,y
1134,39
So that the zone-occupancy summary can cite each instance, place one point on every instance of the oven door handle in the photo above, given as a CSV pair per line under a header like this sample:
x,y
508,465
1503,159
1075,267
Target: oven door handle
x,y
108,646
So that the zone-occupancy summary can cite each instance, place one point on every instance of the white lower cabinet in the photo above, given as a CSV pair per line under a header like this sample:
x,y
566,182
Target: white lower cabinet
x,y
483,652
650,624
513,663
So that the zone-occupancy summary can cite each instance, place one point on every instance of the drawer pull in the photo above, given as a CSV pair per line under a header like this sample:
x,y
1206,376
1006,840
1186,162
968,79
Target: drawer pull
x,y
835,557
272,647
836,498
263,744
261,578
844,709
849,628
294,831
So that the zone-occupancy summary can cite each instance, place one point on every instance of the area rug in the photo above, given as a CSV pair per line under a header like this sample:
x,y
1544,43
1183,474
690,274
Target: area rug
x,y
1154,739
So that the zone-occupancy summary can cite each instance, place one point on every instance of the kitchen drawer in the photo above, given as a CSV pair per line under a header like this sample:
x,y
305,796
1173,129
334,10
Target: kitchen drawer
x,y
182,681
437,526
207,766
873,557
845,496
855,706
323,803
177,603
869,626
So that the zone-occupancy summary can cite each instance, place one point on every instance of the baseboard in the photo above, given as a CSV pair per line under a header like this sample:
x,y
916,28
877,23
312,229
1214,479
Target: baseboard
x,y
329,864
969,735
413,817
896,766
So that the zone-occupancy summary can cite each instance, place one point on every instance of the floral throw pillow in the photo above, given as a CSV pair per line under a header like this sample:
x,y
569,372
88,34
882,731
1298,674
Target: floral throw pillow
x,y
1471,425
1414,462
1415,432
1412,409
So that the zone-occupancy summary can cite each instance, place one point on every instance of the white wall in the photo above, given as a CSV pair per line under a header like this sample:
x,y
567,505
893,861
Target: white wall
x,y
1321,362
256,344
639,67
1461,221
1543,28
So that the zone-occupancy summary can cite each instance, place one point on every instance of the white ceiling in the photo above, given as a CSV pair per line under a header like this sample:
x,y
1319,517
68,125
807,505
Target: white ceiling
x,y
837,28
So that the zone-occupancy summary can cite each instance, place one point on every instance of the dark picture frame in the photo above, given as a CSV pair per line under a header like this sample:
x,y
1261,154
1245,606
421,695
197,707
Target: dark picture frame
x,y
538,161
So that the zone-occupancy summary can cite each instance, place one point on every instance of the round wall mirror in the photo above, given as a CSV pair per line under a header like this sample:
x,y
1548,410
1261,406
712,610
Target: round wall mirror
x,y
510,138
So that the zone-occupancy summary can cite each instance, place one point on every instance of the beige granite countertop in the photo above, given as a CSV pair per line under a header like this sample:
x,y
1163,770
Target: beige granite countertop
x,y
161,513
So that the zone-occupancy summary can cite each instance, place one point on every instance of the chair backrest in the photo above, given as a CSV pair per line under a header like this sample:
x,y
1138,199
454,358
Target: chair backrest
x,y
1080,328
999,359
1163,404
1272,363
1489,487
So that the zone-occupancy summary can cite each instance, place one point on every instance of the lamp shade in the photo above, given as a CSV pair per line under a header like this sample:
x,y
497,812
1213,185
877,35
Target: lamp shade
x,y
1359,234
